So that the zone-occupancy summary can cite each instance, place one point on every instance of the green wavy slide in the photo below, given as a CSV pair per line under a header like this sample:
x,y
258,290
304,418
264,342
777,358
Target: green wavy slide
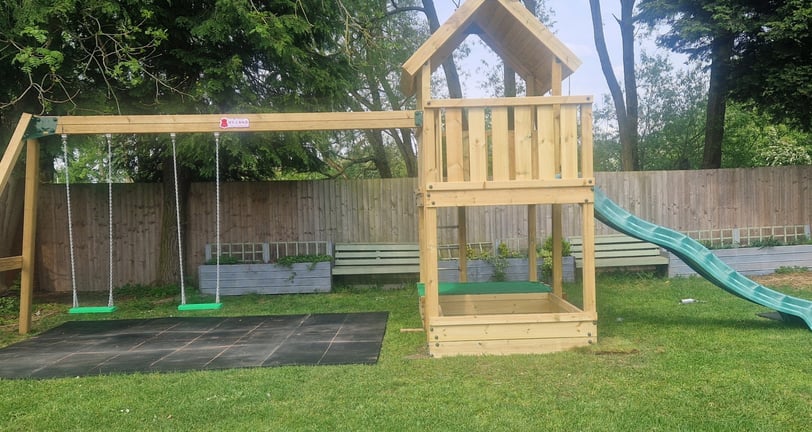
x,y
703,261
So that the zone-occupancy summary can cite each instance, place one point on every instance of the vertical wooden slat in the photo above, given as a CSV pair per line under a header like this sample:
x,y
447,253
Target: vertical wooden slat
x,y
462,243
569,141
587,169
478,145
499,140
555,77
524,142
29,234
454,147
546,141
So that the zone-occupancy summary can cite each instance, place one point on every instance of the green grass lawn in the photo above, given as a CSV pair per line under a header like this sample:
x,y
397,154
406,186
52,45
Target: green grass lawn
x,y
659,365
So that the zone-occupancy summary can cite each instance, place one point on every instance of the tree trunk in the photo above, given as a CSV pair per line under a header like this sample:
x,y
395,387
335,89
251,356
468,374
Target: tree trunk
x,y
451,76
168,259
627,130
403,138
630,146
721,49
379,156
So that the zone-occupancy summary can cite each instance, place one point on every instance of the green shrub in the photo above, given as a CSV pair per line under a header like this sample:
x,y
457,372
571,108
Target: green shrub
x,y
224,260
791,269
546,254
295,259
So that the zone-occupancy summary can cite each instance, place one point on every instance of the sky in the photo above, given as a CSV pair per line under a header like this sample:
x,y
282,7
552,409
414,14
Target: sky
x,y
573,26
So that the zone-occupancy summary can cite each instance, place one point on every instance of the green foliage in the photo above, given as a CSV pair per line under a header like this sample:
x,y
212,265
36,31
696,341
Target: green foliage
x,y
766,242
211,56
289,260
225,260
286,261
147,291
754,138
477,253
671,118
506,252
546,253
773,66
499,264
791,270
9,305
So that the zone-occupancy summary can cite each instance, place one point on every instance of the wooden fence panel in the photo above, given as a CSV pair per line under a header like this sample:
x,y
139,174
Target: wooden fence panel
x,y
11,216
350,211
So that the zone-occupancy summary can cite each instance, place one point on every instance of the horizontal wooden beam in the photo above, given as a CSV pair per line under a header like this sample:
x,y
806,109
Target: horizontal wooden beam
x,y
228,123
510,184
507,347
497,319
11,263
513,331
500,102
489,197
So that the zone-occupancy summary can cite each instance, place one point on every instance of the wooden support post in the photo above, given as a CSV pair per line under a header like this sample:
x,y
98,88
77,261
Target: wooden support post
x,y
532,258
426,217
29,234
588,279
429,255
462,240
558,265
557,213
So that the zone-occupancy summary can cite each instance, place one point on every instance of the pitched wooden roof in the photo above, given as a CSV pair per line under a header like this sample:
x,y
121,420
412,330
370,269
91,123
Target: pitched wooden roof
x,y
510,30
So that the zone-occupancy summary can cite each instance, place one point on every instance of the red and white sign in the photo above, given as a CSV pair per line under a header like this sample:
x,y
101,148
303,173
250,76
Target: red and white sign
x,y
230,123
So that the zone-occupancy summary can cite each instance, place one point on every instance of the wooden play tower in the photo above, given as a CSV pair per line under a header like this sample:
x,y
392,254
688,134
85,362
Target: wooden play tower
x,y
522,151
525,151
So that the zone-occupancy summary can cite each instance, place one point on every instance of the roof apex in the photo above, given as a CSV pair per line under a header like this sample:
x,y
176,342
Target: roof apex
x,y
512,31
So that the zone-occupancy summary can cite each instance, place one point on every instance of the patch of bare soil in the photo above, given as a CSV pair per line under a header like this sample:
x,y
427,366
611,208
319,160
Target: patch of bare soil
x,y
798,280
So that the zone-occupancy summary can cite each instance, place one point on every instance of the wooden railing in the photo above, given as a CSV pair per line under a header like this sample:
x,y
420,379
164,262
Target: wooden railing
x,y
476,149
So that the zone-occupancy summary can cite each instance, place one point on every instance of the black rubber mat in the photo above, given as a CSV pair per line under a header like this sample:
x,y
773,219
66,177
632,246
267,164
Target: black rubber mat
x,y
80,348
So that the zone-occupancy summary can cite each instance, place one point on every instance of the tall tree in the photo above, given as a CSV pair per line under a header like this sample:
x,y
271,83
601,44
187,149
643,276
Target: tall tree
x,y
773,67
671,118
712,31
625,106
181,56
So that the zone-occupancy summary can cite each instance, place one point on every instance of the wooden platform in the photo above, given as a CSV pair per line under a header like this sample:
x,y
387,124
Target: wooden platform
x,y
476,319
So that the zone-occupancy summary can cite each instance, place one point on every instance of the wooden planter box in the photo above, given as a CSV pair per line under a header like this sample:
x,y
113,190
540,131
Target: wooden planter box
x,y
751,261
482,271
238,279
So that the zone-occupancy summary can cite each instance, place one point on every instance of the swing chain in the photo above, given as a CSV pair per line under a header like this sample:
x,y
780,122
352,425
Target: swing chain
x,y
173,136
70,222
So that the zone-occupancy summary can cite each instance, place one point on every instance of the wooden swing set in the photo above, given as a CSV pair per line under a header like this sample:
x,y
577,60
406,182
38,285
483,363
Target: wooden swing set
x,y
522,151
